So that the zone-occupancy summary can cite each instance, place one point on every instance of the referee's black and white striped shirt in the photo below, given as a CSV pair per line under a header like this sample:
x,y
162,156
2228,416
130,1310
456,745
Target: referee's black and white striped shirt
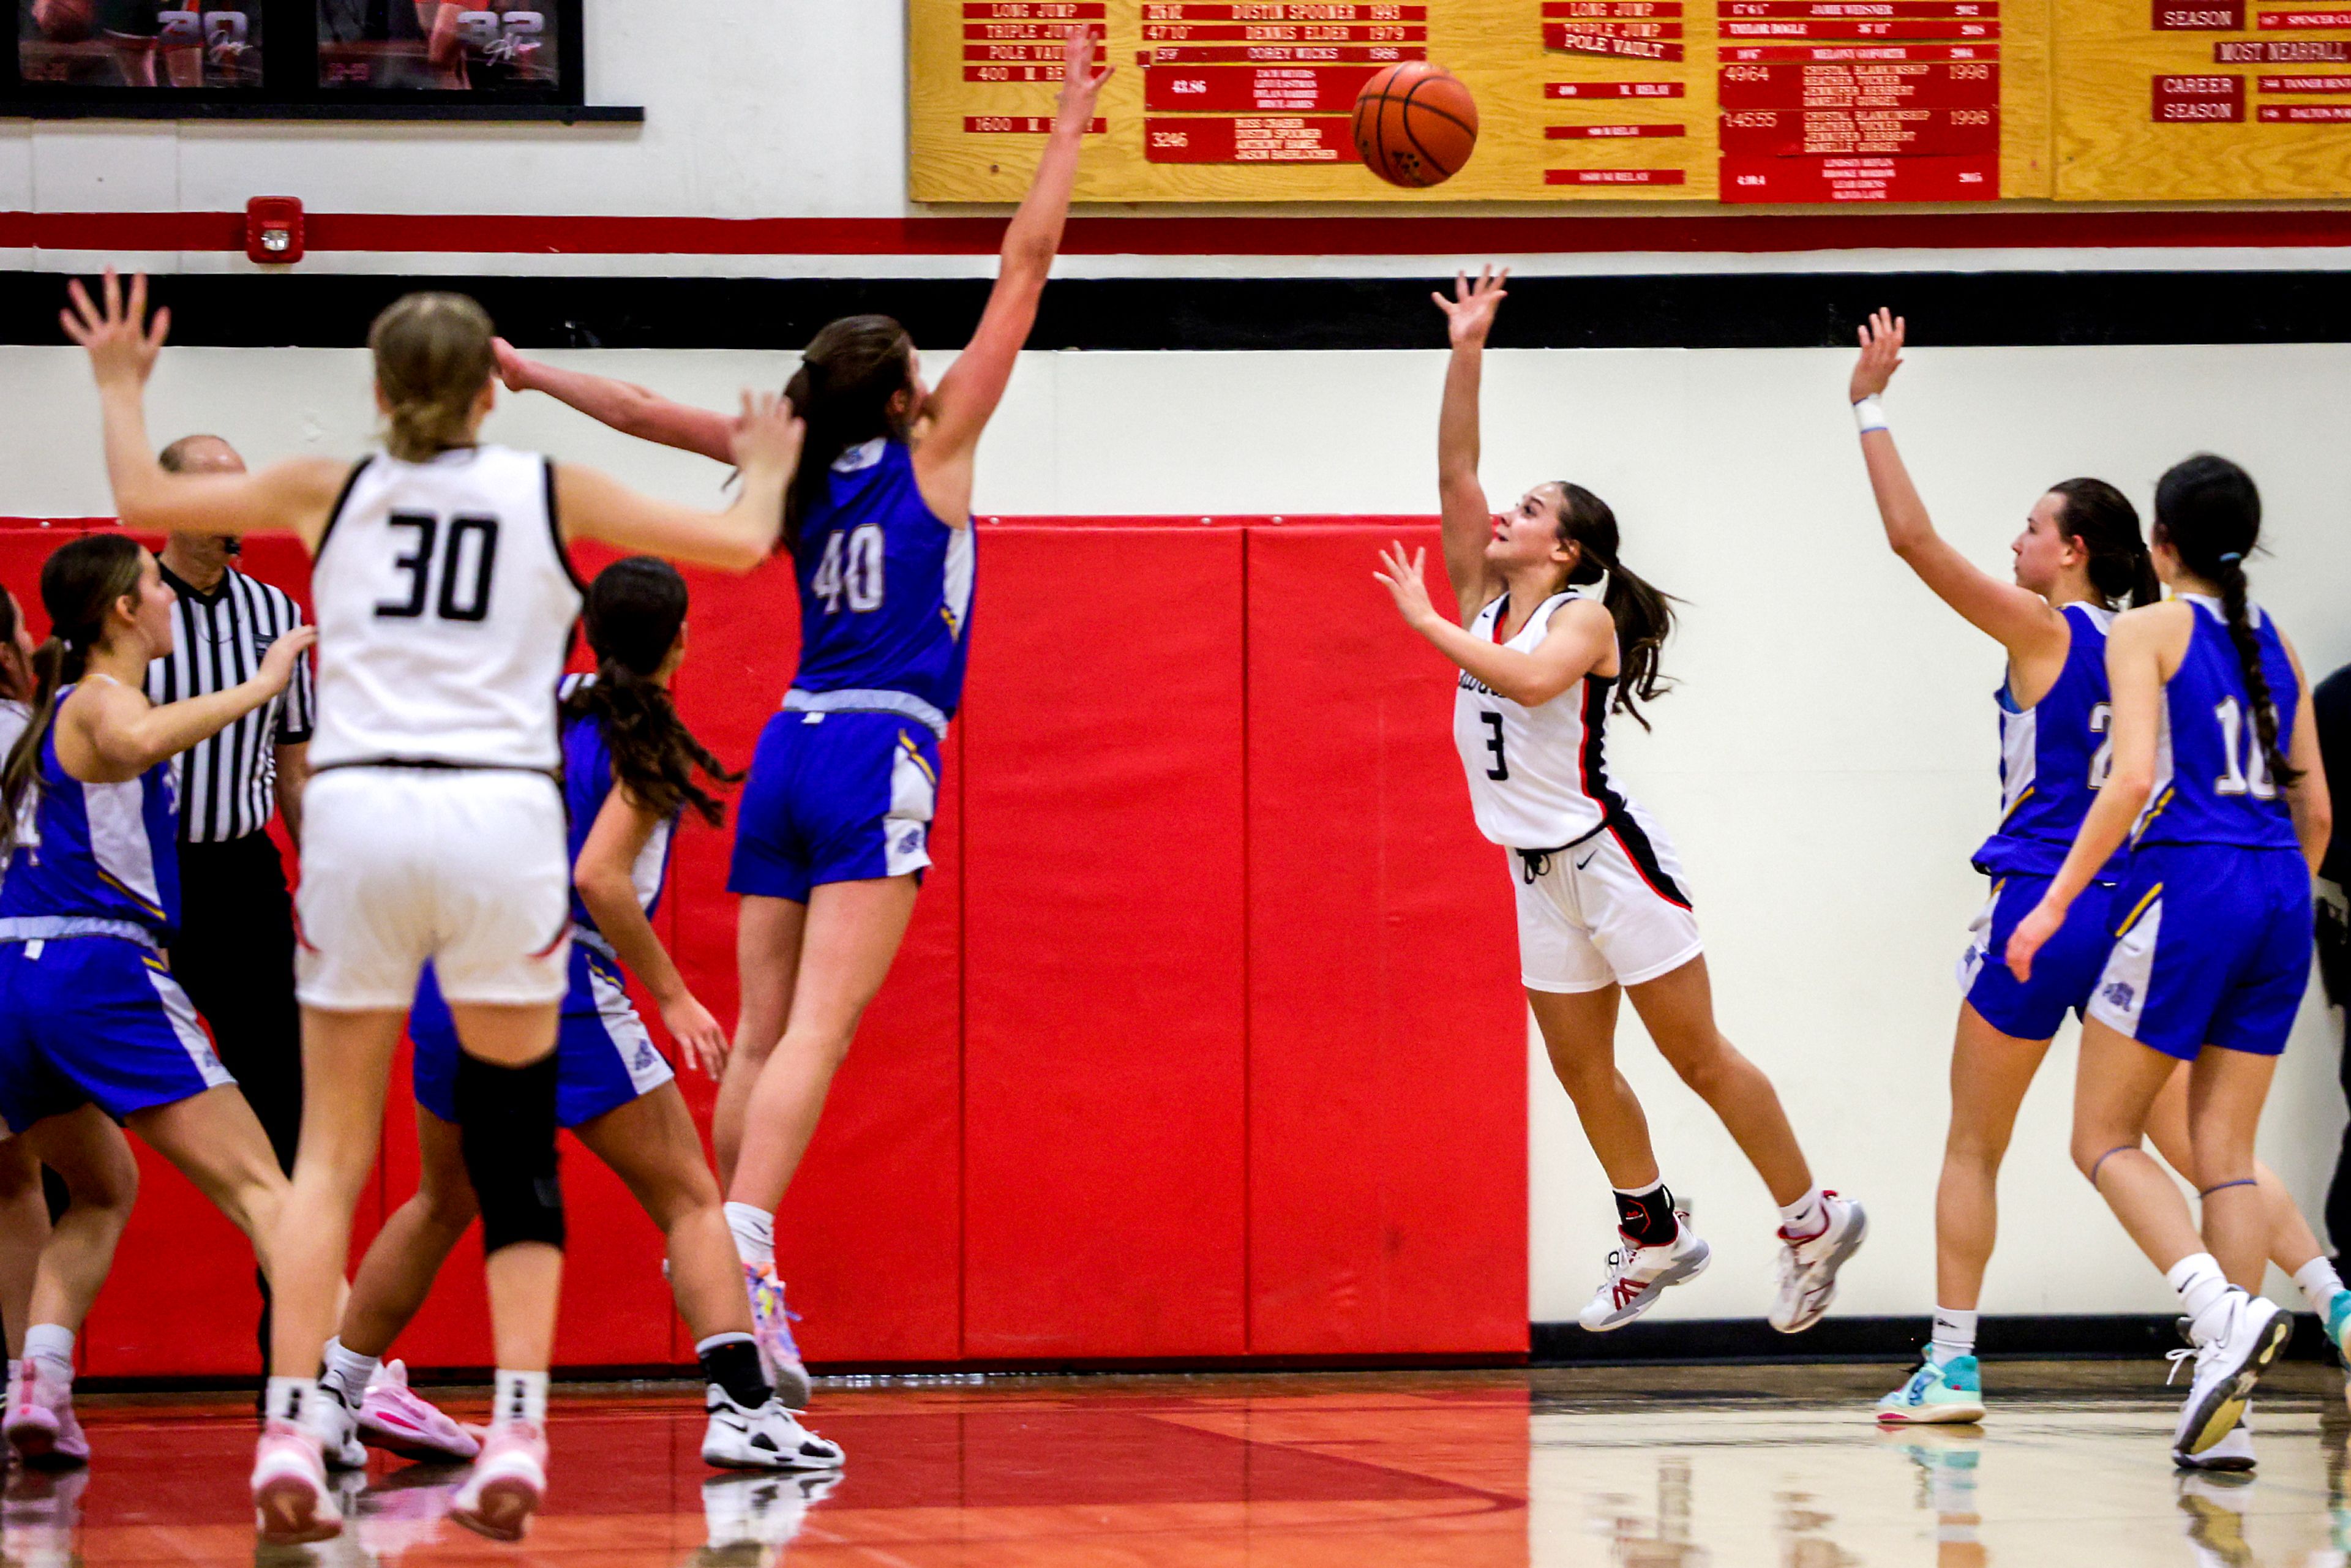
x,y
228,784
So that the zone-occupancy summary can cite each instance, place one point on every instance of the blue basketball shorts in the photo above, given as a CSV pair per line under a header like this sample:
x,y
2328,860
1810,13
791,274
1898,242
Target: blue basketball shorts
x,y
834,796
604,1057
2212,947
97,1020
2064,971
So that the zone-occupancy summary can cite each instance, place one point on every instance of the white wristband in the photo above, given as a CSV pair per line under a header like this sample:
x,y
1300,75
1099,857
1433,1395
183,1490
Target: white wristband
x,y
1869,415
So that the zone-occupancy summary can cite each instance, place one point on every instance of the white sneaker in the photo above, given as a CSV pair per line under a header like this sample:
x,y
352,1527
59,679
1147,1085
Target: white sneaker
x,y
338,1427
2233,1452
291,1504
2252,1333
508,1482
1638,1275
768,1439
1808,1266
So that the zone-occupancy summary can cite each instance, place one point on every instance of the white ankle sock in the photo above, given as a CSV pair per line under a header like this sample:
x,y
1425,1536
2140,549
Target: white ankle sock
x,y
520,1396
1955,1335
287,1398
349,1370
52,1343
755,1232
2202,1289
2318,1279
1805,1219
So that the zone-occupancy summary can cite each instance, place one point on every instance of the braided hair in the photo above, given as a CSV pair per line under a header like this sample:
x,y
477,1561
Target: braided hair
x,y
80,585
1642,613
2210,512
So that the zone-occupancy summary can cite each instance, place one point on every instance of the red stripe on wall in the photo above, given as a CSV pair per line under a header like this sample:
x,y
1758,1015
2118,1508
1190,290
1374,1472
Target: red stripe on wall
x,y
555,234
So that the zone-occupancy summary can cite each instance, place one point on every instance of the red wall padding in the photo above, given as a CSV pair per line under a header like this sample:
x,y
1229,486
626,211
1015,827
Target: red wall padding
x,y
1385,1034
1105,1050
1205,1042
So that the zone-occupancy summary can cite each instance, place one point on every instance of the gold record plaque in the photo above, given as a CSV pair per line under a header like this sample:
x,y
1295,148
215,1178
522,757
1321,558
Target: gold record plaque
x,y
1827,101
2202,99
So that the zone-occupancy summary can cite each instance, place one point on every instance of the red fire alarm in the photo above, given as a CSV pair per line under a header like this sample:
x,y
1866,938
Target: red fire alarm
x,y
273,228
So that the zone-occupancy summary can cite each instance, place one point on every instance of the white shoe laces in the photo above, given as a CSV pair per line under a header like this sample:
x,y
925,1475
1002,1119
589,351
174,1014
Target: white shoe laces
x,y
2184,1352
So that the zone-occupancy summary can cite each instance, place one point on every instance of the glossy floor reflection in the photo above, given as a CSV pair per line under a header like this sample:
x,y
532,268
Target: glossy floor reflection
x,y
1668,1467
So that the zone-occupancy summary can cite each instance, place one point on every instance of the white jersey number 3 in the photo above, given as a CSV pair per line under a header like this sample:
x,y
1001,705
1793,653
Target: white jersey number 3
x,y
852,569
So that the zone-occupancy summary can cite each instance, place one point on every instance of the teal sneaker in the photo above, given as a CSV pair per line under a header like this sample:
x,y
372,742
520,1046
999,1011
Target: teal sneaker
x,y
1949,1394
2337,1317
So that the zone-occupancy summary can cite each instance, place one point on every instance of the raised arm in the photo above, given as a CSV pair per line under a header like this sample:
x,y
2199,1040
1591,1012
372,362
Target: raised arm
x,y
766,449
293,496
966,397
2134,649
2308,797
1581,635
605,876
109,733
1461,496
2017,618
630,409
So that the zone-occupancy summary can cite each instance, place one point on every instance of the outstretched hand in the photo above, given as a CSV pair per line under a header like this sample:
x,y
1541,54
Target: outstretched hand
x,y
1081,83
1881,354
769,434
513,369
121,343
1469,314
1406,585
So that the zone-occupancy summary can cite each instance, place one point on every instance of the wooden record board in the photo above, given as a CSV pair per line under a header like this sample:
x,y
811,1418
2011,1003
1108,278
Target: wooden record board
x,y
1830,102
2202,99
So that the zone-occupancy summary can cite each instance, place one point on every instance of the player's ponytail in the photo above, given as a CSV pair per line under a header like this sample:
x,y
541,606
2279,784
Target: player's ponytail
x,y
15,672
1644,614
81,585
848,375
2210,512
636,609
433,357
2102,518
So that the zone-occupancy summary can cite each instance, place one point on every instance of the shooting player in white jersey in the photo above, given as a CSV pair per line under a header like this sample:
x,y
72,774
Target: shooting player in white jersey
x,y
1559,634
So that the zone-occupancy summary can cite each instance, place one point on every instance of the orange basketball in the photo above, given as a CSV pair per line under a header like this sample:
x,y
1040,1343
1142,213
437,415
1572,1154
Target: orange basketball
x,y
1415,124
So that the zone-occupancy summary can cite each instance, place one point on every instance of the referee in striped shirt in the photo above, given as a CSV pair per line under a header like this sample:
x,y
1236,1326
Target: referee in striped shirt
x,y
234,952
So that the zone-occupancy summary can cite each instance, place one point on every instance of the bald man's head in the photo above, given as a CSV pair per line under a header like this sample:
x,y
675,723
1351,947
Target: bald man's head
x,y
200,455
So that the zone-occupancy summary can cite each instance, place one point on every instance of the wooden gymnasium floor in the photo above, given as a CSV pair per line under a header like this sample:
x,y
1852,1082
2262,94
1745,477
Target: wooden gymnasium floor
x,y
1657,1467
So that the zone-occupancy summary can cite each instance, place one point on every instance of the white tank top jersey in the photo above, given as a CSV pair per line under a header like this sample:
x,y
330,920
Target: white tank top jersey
x,y
1538,776
444,601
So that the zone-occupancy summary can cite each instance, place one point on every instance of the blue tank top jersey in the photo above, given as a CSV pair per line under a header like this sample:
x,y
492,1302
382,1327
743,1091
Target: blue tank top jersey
x,y
885,593
2213,785
587,785
98,852
2052,757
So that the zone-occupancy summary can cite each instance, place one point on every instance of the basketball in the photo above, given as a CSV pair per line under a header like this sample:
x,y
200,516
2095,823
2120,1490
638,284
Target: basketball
x,y
1415,124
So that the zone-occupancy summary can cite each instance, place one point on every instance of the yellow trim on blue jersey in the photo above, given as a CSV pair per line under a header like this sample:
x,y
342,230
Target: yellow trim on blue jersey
x,y
906,744
2132,918
955,628
2020,800
154,963
2146,819
155,910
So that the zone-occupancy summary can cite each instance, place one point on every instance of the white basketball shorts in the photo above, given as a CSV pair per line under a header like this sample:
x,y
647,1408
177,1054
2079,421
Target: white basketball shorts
x,y
1613,909
468,868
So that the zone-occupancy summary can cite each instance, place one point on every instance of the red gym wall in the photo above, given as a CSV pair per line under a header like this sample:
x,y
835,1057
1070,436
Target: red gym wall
x,y
1206,1041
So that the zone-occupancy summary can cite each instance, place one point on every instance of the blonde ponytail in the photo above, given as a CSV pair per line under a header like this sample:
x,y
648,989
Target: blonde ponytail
x,y
433,357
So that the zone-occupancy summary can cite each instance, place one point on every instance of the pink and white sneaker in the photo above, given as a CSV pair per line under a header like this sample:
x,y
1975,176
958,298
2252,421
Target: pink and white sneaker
x,y
291,1503
508,1481
397,1421
40,1425
771,1324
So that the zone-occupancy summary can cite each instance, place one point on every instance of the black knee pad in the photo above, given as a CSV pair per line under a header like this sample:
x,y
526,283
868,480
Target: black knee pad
x,y
505,1129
